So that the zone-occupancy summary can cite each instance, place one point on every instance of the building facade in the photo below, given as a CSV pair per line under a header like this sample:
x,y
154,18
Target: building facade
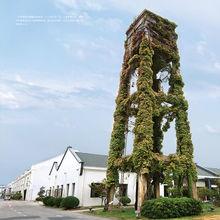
x,y
73,172
207,177
77,171
2,191
30,182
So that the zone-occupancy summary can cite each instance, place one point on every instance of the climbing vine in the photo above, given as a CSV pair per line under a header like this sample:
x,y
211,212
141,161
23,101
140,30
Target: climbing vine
x,y
143,142
153,110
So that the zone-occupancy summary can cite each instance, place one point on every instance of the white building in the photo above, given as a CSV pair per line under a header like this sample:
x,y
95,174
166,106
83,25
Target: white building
x,y
72,173
30,182
22,184
2,190
207,177
75,173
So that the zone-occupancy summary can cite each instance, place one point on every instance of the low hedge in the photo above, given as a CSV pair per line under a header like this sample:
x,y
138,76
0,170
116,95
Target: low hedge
x,y
57,202
124,200
47,200
16,196
163,208
70,202
51,201
38,199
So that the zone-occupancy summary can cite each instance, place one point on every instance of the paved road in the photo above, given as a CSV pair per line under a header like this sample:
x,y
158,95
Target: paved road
x,y
13,210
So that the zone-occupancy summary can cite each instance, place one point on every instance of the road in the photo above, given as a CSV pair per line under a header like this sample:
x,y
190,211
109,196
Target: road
x,y
13,210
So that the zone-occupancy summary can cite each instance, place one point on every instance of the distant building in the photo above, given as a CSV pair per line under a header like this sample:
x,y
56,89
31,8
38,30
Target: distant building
x,y
207,177
71,174
2,191
30,182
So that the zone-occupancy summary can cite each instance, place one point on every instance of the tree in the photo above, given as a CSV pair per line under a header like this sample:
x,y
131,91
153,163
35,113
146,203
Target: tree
x,y
99,189
41,193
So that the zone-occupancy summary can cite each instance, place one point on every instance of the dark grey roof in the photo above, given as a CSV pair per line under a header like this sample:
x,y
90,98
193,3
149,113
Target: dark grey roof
x,y
214,170
202,171
93,160
97,160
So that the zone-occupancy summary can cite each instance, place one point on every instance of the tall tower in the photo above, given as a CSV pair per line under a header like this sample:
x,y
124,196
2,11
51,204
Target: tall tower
x,y
146,106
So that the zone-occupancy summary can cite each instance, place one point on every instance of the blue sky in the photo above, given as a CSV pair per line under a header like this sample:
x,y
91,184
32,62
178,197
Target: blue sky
x,y
58,79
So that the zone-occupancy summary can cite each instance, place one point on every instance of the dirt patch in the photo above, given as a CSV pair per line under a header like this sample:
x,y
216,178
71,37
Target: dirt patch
x,y
211,217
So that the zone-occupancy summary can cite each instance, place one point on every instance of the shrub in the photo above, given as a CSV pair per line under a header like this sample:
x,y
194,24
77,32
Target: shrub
x,y
205,193
70,202
217,203
217,199
41,194
46,200
39,199
51,201
207,207
171,207
16,196
57,202
124,200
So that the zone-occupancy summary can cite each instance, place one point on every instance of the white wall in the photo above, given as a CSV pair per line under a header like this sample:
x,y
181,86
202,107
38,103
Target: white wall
x,y
130,180
34,179
90,175
22,183
40,176
68,173
97,175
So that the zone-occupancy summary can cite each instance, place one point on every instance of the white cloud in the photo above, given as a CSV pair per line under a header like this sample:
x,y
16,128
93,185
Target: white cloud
x,y
217,65
203,91
80,10
17,92
79,5
212,130
8,98
206,12
202,56
201,47
88,48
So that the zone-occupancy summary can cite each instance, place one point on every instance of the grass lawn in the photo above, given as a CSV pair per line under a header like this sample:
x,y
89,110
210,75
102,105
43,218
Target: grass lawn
x,y
129,214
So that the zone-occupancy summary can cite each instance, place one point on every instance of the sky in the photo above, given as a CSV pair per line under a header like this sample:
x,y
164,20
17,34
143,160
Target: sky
x,y
60,62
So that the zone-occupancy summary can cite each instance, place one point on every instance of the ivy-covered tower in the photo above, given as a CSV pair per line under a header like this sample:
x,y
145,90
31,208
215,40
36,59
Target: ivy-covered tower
x,y
150,97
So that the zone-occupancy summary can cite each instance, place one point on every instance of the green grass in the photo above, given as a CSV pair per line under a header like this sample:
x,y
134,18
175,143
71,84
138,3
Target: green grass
x,y
129,214
117,213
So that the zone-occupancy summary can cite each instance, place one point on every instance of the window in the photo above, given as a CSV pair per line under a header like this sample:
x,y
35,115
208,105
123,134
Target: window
x,y
53,191
67,189
123,188
73,189
61,191
166,191
133,82
94,193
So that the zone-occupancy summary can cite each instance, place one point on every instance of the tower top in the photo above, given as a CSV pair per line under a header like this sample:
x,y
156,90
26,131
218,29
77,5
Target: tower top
x,y
150,17
160,31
